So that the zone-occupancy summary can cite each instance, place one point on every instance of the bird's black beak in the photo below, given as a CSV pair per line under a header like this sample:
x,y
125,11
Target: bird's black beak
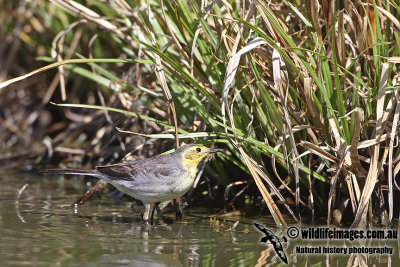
x,y
214,150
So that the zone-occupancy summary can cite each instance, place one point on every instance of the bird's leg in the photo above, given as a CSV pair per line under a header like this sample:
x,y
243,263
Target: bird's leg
x,y
179,208
158,207
152,212
162,205
146,213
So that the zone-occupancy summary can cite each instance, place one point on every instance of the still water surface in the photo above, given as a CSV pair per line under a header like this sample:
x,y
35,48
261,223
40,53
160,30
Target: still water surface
x,y
40,229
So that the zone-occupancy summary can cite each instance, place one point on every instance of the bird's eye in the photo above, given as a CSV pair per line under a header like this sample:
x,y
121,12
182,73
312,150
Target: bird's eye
x,y
198,149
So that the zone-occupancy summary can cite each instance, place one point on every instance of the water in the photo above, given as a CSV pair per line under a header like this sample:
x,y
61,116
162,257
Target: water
x,y
40,229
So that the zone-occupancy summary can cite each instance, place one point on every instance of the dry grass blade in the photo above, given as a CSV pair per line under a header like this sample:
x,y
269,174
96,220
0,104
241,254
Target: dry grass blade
x,y
372,142
275,33
228,80
340,38
268,23
318,151
230,76
360,218
390,16
60,37
354,190
276,214
335,131
171,32
275,190
79,10
196,35
391,144
315,114
332,191
99,185
315,19
273,163
394,60
54,65
163,82
278,67
356,166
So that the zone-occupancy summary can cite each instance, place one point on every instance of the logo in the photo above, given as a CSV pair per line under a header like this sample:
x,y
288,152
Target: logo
x,y
274,240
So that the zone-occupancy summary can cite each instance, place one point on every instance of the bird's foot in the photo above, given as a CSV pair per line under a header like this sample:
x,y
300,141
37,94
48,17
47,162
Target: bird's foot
x,y
146,224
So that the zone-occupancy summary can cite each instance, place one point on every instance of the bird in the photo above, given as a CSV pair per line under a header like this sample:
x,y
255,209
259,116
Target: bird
x,y
275,241
153,180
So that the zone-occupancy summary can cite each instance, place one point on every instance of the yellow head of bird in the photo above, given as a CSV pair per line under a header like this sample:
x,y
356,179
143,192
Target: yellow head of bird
x,y
193,154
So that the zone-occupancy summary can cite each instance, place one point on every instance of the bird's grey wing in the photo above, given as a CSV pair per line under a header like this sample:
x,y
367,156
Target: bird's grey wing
x,y
140,170
162,173
120,171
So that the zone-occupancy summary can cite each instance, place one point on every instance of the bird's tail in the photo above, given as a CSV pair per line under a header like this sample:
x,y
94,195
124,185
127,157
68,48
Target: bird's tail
x,y
71,171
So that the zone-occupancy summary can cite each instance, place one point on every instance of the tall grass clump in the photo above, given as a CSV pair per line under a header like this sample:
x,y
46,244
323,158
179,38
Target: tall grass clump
x,y
304,95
